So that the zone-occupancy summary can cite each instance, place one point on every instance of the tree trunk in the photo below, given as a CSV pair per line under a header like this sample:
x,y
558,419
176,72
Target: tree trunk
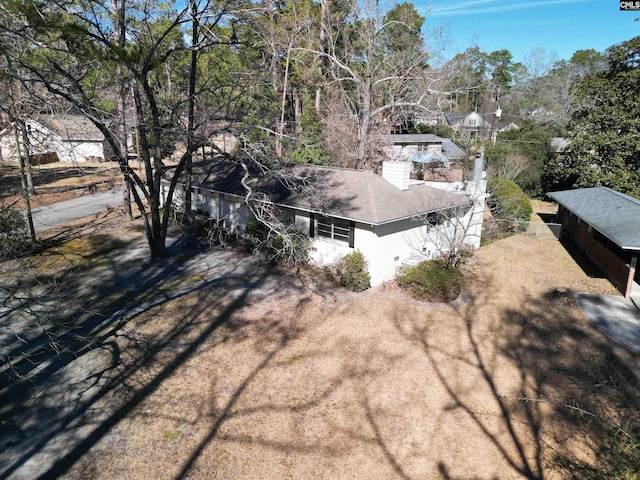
x,y
153,167
365,122
323,49
25,190
283,104
119,11
26,156
191,143
297,110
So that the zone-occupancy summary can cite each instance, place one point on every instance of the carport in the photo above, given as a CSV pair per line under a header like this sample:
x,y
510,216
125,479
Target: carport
x,y
605,224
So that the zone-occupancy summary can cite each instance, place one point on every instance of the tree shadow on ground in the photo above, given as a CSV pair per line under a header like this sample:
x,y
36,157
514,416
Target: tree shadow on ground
x,y
586,383
74,342
569,408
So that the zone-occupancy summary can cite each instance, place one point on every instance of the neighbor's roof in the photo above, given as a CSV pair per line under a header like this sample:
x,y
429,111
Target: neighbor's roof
x,y
72,127
614,214
449,149
358,195
411,138
455,117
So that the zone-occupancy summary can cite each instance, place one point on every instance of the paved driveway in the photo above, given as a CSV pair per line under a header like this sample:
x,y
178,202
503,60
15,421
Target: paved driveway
x,y
615,316
60,213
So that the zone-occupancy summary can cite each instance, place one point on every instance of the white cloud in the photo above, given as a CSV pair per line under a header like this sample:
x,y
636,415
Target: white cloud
x,y
479,7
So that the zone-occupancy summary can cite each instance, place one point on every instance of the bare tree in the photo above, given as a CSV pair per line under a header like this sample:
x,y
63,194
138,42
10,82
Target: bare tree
x,y
77,54
452,233
374,78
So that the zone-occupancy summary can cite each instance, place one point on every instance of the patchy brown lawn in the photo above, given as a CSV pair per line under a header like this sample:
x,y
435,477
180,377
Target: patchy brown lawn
x,y
59,181
219,368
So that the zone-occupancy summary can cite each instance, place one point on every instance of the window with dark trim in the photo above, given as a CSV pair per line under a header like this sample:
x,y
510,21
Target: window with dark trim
x,y
335,228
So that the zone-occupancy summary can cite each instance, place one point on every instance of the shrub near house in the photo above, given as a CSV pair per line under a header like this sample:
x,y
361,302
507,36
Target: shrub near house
x,y
509,206
352,272
432,281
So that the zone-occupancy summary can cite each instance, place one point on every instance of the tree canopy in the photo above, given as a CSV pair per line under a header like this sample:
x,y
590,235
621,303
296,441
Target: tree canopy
x,y
603,131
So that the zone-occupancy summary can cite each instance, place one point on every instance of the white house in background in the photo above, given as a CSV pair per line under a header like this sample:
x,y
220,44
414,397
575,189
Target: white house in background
x,y
65,138
484,126
391,219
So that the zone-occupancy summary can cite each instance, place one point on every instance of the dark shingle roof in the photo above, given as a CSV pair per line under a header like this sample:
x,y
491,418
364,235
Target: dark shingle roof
x,y
451,150
614,214
358,195
411,138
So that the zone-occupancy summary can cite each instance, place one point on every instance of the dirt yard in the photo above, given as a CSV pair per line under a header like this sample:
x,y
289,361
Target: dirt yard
x,y
59,181
211,366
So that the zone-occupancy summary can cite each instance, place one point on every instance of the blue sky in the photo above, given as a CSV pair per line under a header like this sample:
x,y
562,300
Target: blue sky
x,y
559,26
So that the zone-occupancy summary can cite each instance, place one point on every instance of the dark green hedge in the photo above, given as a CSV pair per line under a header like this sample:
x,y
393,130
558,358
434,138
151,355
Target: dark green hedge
x,y
508,201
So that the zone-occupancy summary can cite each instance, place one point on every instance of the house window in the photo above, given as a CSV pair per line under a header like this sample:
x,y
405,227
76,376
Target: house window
x,y
335,228
471,122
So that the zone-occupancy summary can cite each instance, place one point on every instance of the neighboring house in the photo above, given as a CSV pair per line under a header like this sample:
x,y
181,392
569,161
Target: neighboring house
x,y
391,219
421,148
65,138
431,155
475,125
605,224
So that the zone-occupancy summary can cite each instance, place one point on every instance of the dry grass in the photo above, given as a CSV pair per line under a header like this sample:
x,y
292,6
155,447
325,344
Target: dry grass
x,y
294,385
256,374
59,181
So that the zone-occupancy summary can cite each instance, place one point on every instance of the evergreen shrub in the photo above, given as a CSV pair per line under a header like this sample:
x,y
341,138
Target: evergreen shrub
x,y
14,239
432,281
508,201
352,272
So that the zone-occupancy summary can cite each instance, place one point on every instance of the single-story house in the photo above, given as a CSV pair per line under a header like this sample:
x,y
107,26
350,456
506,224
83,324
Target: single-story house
x,y
65,138
391,219
605,224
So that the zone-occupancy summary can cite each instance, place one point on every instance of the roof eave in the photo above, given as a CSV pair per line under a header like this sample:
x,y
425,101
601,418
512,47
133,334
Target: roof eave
x,y
414,215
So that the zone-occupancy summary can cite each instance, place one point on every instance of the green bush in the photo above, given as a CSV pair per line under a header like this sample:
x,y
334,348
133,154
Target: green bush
x,y
352,272
14,238
508,201
255,229
432,281
313,154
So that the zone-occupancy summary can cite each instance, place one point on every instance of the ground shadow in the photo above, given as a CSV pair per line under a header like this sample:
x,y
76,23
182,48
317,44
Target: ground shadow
x,y
548,217
581,259
81,307
573,399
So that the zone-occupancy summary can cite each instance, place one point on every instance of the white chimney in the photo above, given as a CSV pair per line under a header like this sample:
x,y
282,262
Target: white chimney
x,y
397,173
